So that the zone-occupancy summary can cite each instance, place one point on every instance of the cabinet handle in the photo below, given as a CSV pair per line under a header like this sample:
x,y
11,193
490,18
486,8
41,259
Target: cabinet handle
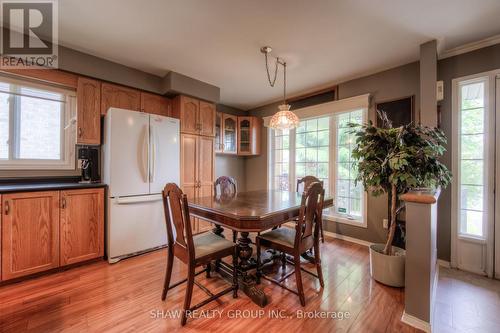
x,y
7,208
63,203
80,132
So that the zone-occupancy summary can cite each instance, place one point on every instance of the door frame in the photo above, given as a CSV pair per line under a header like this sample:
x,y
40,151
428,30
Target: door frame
x,y
492,204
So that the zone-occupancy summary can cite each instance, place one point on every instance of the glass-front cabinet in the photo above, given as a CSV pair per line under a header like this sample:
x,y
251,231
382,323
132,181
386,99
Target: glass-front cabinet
x,y
237,135
229,134
218,132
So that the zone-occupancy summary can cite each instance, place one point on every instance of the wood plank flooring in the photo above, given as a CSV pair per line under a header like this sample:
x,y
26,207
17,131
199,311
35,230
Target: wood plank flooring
x,y
125,297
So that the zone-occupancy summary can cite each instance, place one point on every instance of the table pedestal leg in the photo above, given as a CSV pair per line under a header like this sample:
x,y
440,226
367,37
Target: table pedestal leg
x,y
247,283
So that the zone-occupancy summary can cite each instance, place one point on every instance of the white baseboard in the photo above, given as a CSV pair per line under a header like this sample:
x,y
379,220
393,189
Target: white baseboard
x,y
347,238
416,322
443,263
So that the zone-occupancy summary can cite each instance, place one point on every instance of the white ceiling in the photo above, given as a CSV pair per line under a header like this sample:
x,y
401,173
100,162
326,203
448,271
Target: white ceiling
x,y
218,41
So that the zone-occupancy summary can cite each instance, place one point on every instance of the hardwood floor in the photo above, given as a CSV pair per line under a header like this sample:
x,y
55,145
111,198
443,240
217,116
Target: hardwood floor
x,y
125,297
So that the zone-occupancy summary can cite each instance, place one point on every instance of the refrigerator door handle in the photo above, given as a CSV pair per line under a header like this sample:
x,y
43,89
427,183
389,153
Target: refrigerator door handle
x,y
133,200
152,163
145,155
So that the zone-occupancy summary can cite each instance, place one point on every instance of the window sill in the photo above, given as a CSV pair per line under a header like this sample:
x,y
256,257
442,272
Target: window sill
x,y
339,219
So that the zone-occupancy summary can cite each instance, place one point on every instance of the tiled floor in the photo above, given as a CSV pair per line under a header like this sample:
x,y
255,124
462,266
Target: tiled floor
x,y
466,303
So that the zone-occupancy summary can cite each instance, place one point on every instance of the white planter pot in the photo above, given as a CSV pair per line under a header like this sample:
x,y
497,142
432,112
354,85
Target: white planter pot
x,y
389,270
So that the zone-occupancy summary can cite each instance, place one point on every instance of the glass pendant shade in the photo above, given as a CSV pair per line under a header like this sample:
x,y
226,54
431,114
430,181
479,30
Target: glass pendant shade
x,y
284,118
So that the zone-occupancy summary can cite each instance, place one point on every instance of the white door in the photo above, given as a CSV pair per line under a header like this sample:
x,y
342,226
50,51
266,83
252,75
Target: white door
x,y
126,152
165,152
473,212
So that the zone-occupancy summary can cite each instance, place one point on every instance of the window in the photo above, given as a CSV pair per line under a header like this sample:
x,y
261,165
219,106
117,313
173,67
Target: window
x,y
36,126
348,195
472,158
321,147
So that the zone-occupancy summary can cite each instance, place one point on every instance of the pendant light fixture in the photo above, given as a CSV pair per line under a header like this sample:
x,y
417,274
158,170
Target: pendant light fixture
x,y
284,119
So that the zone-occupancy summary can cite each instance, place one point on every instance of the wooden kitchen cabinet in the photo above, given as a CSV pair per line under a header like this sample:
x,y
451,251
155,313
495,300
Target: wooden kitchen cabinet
x,y
229,133
88,112
196,117
197,171
30,233
119,97
207,118
81,225
249,129
218,132
156,104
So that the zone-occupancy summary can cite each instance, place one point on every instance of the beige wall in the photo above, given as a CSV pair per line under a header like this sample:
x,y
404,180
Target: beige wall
x,y
391,84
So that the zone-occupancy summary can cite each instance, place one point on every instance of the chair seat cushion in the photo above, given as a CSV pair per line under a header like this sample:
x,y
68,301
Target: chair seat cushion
x,y
284,236
208,243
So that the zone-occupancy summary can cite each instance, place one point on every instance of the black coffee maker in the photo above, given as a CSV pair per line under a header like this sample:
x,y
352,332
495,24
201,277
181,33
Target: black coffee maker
x,y
88,158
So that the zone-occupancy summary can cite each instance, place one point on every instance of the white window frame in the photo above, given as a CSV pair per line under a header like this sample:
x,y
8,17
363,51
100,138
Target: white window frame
x,y
318,111
68,133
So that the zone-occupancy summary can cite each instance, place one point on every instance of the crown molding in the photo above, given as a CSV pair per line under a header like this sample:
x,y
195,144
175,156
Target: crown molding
x,y
470,47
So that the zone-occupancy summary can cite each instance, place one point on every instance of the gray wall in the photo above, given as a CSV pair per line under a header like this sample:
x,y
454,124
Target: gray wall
x,y
387,85
230,165
478,61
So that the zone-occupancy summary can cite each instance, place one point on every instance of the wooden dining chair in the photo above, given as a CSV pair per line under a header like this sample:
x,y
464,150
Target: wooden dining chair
x,y
296,241
302,184
194,251
225,186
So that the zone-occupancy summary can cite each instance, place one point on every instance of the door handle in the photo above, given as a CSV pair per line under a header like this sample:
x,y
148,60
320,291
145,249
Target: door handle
x,y
152,162
63,203
80,131
7,208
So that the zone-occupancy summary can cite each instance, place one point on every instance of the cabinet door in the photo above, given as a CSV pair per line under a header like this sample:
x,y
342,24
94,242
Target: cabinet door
x,y
30,233
206,166
245,136
81,225
229,134
88,112
207,119
189,176
119,97
189,110
218,132
155,104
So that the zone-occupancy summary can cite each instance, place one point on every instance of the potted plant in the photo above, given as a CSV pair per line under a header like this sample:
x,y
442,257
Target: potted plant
x,y
392,161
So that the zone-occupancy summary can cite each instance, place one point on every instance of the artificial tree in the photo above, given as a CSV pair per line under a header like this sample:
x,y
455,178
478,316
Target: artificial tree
x,y
394,160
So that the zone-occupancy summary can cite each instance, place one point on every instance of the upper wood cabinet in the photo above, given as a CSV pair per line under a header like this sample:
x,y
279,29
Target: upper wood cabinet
x,y
88,112
206,118
156,104
229,133
196,117
119,97
218,132
249,129
82,225
30,233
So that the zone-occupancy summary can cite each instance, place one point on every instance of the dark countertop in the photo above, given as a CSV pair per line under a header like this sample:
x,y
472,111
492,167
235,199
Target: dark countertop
x,y
45,185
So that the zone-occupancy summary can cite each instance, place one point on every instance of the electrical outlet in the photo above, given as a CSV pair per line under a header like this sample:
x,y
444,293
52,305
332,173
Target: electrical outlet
x,y
385,223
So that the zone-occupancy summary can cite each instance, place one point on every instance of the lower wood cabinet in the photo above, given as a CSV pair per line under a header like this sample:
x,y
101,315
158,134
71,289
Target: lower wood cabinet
x,y
82,225
30,233
45,230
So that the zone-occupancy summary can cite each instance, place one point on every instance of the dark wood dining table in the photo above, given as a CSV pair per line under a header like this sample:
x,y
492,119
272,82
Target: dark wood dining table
x,y
246,212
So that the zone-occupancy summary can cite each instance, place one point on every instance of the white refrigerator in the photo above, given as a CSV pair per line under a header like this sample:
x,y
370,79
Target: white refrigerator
x,y
140,155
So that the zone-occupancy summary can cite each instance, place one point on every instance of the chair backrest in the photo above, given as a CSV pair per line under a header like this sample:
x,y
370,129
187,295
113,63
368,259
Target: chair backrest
x,y
176,209
304,183
225,186
310,212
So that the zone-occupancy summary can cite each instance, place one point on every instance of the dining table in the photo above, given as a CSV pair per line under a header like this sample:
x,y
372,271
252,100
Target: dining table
x,y
245,213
